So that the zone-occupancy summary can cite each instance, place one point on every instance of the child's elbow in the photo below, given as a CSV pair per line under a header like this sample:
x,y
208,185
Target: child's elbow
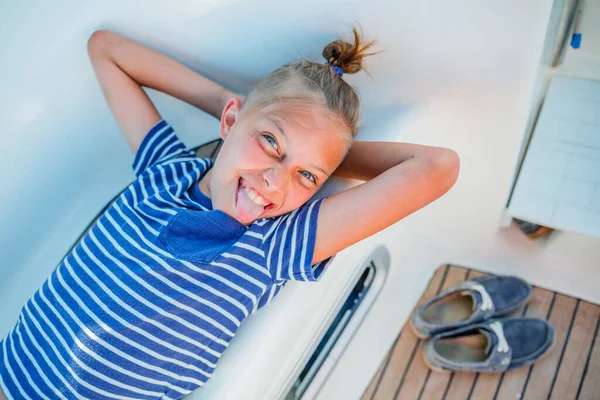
x,y
98,43
447,167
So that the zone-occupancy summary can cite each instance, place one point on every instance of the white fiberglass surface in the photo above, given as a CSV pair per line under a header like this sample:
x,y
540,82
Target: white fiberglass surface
x,y
453,74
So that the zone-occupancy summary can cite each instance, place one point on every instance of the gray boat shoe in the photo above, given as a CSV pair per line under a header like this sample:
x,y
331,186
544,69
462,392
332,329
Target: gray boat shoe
x,y
492,346
469,302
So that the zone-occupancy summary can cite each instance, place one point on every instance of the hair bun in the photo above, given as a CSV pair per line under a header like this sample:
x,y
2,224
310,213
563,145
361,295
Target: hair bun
x,y
348,56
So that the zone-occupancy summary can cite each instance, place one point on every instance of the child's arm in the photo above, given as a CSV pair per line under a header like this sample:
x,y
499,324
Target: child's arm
x,y
366,160
401,179
124,66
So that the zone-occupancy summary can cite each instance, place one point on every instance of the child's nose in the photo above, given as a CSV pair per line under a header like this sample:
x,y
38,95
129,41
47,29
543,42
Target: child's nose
x,y
275,179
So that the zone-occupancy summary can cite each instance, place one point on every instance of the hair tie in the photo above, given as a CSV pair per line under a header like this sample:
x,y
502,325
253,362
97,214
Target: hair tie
x,y
337,69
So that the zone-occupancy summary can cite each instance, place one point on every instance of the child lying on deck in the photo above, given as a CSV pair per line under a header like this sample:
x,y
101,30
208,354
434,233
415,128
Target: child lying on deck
x,y
148,300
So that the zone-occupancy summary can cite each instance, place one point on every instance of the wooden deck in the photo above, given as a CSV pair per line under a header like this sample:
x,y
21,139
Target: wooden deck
x,y
571,370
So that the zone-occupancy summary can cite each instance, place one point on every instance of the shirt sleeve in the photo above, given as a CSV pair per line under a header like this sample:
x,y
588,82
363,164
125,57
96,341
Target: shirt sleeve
x,y
290,244
160,144
266,298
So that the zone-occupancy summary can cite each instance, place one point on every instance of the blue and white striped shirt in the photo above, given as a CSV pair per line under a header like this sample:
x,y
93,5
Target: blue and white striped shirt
x,y
148,300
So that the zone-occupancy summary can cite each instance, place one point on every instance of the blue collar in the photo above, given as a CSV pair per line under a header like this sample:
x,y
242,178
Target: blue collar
x,y
200,197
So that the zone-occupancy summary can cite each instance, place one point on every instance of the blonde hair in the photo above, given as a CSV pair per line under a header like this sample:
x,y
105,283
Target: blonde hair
x,y
312,83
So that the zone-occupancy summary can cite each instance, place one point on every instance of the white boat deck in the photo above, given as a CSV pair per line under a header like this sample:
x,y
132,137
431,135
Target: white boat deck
x,y
453,74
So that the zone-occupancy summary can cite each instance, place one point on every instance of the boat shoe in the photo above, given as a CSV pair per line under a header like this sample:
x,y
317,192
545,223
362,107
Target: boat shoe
x,y
469,302
494,345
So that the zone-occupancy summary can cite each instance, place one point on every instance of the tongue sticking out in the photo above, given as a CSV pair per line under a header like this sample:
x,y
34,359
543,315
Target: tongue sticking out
x,y
247,209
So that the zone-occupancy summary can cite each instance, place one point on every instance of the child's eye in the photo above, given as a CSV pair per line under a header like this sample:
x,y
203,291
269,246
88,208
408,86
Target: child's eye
x,y
271,141
308,176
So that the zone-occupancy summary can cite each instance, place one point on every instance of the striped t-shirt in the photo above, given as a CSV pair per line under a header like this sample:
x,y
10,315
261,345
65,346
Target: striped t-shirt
x,y
145,304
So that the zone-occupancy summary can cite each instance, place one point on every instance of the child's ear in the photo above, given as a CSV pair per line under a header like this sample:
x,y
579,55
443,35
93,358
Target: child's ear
x,y
231,113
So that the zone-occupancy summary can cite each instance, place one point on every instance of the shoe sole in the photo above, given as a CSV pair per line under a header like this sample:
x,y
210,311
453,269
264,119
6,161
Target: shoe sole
x,y
415,331
434,368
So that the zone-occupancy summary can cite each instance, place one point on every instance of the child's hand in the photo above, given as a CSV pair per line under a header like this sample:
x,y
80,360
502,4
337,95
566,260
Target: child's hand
x,y
123,66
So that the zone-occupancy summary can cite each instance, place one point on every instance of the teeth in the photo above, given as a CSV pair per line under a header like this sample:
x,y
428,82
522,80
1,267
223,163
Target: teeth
x,y
255,197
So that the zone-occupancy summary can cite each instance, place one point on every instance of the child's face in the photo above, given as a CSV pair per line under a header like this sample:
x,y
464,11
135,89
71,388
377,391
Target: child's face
x,y
262,171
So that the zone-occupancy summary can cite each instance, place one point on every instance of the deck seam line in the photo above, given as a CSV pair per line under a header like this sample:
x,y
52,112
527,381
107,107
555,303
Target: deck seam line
x,y
412,356
533,365
589,356
562,353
